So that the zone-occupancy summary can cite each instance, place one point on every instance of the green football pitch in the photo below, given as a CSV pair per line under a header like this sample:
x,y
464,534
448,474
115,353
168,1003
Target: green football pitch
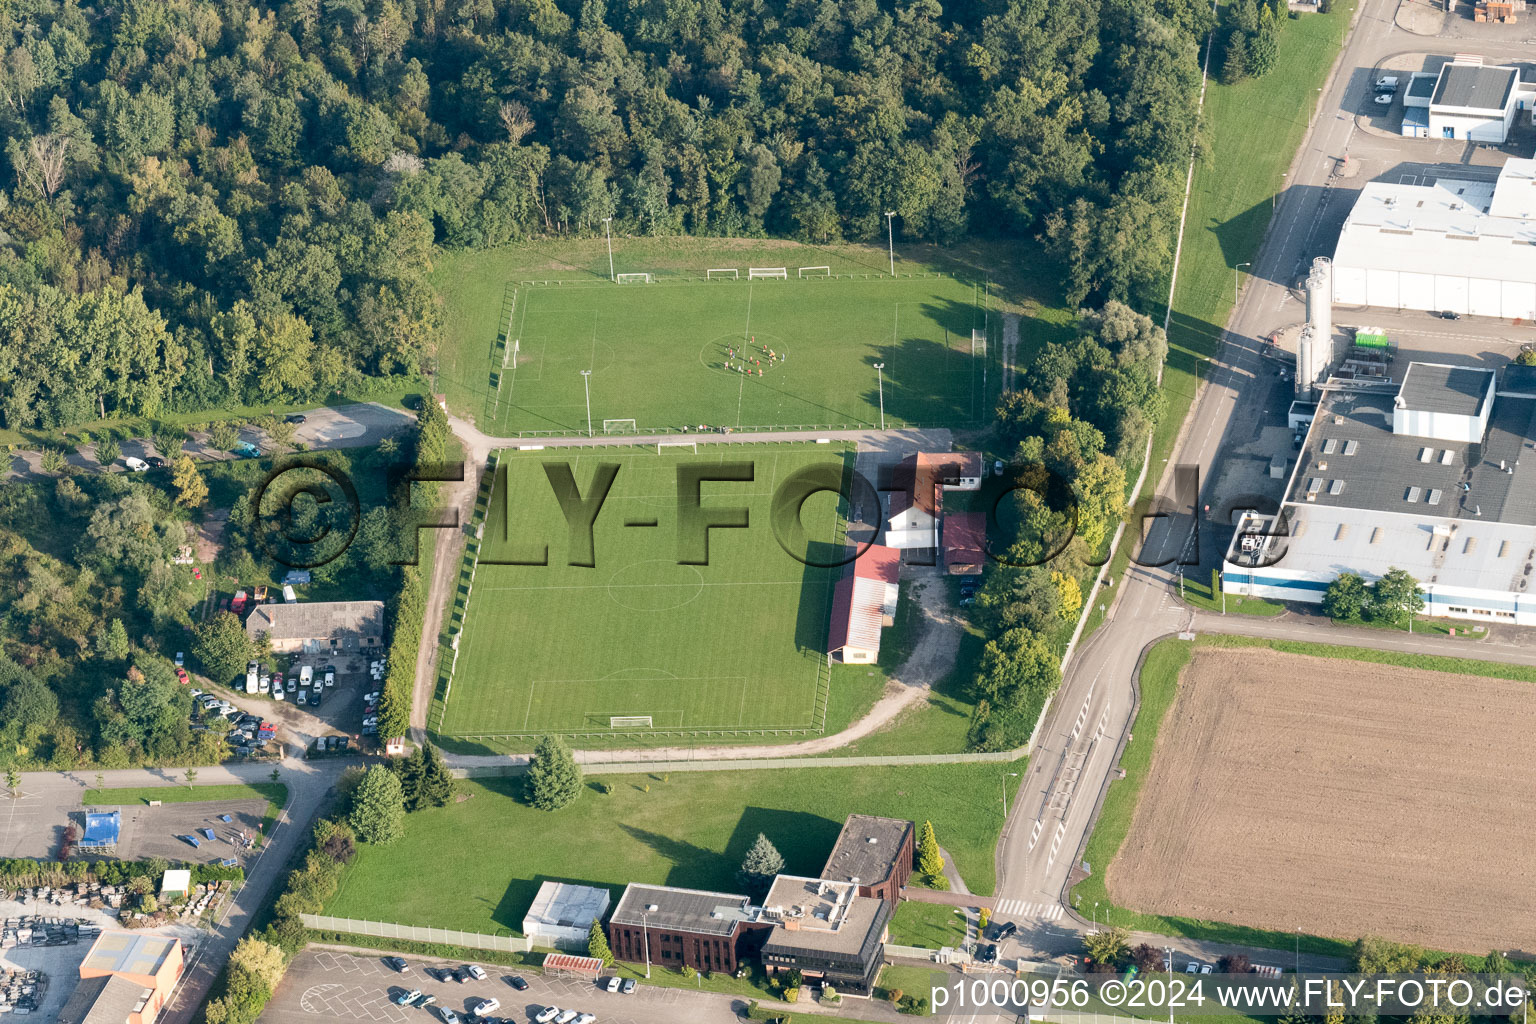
x,y
729,647
737,353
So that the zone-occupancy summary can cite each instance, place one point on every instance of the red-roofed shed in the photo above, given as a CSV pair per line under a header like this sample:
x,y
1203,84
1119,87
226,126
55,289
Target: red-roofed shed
x,y
965,539
863,602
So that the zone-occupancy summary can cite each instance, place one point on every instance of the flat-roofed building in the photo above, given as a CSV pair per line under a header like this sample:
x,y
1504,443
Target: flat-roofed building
x,y
1476,102
826,931
672,927
873,853
126,978
562,914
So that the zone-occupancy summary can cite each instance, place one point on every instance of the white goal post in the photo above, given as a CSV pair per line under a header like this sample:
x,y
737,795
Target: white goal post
x,y
629,721
816,271
632,278
709,275
618,426
756,272
694,445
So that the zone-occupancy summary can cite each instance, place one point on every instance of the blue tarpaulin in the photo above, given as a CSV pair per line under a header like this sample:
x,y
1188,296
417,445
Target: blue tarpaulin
x,y
101,830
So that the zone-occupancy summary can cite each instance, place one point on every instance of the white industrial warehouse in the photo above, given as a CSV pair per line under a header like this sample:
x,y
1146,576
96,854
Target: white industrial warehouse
x,y
1425,476
1462,246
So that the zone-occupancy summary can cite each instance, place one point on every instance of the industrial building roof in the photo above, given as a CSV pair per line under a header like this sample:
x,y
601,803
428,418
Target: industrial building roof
x,y
101,829
128,953
1474,87
107,999
822,915
563,905
1518,381
1438,387
317,620
681,910
1353,460
866,849
1444,227
1422,85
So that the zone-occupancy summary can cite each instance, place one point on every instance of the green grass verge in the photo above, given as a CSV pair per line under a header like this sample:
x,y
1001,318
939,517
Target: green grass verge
x,y
690,829
1197,594
274,793
1252,131
909,981
1159,682
1429,662
930,925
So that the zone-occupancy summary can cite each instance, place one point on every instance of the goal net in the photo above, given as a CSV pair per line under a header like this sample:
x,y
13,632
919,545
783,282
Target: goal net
x,y
710,275
629,722
618,426
632,278
693,445
755,272
815,272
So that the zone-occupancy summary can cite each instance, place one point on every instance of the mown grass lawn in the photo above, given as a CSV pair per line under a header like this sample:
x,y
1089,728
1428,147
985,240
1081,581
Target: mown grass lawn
x,y
930,925
476,864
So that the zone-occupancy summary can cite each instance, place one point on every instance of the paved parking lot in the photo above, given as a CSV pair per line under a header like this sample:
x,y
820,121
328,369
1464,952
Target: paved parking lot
x,y
60,963
331,985
156,831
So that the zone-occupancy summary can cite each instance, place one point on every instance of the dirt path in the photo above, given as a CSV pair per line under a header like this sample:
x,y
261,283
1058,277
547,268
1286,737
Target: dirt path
x,y
447,556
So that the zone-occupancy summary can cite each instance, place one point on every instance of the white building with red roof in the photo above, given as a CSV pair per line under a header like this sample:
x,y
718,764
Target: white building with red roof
x,y
863,603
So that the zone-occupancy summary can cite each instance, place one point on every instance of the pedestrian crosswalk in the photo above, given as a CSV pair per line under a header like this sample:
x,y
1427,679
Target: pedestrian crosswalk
x,y
1023,908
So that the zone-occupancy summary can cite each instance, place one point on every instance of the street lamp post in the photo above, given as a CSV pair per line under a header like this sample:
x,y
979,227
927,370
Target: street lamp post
x,y
890,239
607,231
880,372
1235,269
1005,793
1095,916
586,385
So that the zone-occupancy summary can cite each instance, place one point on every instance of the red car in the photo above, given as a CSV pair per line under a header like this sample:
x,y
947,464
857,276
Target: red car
x,y
181,676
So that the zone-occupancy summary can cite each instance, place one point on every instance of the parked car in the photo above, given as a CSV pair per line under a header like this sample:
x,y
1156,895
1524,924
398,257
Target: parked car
x,y
486,1006
408,997
330,677
156,462
1448,314
475,971
449,1017
986,953
295,418
437,974
136,465
1007,930
629,986
1205,968
1384,99
182,677
277,694
1192,968
566,1016
547,1014
614,983
426,1001
293,684
517,982
586,1018
303,696
246,450
1386,83
314,698
396,964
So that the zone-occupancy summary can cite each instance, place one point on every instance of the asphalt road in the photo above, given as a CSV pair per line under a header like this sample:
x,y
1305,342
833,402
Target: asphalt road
x,y
1077,749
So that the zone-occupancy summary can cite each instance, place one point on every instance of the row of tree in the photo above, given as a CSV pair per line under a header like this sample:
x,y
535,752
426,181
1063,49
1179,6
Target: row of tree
x,y
1083,410
1394,598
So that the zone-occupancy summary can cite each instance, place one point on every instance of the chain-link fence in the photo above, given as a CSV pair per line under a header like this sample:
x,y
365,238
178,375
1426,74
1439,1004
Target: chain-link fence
x,y
409,933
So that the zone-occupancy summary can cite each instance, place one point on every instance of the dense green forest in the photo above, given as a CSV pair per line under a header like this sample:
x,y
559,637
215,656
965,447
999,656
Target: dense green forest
x,y
215,202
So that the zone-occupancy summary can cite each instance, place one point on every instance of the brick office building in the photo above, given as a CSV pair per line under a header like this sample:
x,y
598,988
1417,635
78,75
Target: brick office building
x,y
671,927
874,853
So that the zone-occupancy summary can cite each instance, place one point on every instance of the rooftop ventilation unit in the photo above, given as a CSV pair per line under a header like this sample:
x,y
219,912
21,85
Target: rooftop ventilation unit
x,y
1351,446
1330,446
1426,454
1434,495
1446,457
1412,495
1336,487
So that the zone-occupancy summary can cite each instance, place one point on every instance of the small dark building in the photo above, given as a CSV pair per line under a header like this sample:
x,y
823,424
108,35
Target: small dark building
x,y
873,853
708,931
827,931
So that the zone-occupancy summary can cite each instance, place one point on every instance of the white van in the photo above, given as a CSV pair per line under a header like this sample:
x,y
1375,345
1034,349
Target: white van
x,y
289,597
252,675
306,675
136,465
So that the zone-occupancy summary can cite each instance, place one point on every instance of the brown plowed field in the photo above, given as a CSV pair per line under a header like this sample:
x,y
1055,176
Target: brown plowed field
x,y
1341,798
